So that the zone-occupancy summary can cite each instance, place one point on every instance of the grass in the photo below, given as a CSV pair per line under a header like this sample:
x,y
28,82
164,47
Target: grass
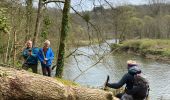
x,y
84,42
146,47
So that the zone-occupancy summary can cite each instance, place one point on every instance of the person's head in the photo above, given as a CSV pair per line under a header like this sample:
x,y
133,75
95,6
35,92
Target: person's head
x,y
131,63
46,44
29,44
135,70
133,67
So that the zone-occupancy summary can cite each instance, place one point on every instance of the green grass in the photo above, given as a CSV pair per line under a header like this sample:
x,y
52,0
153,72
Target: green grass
x,y
147,46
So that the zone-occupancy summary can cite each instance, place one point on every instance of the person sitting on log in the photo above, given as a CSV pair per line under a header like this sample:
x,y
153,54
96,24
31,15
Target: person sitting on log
x,y
137,87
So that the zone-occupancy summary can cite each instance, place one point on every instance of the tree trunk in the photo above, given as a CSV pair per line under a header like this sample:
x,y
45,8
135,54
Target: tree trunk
x,y
64,31
23,85
15,47
7,49
37,25
29,4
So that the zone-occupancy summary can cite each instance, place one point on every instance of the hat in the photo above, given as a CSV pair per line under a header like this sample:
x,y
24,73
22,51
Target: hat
x,y
134,70
131,63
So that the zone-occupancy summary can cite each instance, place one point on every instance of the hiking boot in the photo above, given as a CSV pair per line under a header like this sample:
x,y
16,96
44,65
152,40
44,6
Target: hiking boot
x,y
105,84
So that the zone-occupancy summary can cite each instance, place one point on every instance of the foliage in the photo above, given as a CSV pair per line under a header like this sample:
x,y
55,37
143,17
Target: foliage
x,y
46,25
3,21
3,29
148,46
86,17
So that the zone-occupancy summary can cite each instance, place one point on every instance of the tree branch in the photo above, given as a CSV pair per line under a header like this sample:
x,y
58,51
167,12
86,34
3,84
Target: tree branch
x,y
71,53
53,1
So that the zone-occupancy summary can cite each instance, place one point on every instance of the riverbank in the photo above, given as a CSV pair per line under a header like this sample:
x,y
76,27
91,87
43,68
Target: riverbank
x,y
148,48
80,43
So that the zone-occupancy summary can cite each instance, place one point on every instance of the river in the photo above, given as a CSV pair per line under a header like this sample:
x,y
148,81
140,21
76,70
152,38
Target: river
x,y
114,65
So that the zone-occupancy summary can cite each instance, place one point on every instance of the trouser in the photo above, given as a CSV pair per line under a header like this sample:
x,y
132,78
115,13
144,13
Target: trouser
x,y
32,66
124,96
46,70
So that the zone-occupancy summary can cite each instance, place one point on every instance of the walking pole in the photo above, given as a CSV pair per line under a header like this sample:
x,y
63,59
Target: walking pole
x,y
105,84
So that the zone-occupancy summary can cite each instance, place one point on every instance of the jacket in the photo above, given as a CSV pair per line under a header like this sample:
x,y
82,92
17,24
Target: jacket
x,y
49,55
127,79
32,59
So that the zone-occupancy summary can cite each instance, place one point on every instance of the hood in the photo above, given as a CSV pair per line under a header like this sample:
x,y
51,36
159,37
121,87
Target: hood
x,y
134,70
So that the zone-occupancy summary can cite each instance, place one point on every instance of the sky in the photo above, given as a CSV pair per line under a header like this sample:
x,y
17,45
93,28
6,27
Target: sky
x,y
84,5
89,4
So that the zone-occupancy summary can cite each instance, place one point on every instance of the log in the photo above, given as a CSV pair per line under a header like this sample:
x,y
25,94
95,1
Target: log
x,y
22,85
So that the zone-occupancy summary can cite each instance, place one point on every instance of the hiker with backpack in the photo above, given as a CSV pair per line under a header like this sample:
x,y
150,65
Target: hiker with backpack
x,y
30,57
46,57
137,87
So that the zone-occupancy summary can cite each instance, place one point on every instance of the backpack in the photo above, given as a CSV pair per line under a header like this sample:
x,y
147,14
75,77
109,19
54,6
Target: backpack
x,y
142,86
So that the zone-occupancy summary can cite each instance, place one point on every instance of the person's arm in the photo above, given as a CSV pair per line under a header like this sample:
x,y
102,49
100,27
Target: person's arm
x,y
40,56
34,53
24,53
119,84
51,55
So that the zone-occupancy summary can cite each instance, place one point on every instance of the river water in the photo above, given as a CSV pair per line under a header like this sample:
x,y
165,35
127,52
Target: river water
x,y
83,69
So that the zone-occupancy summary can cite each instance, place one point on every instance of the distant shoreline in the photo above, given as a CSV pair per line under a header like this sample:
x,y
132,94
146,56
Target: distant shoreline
x,y
156,49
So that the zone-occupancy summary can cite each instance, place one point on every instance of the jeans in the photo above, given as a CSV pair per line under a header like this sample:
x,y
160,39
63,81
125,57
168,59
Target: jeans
x,y
46,70
32,66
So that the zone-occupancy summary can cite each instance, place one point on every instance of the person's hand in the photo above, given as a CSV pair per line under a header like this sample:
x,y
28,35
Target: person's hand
x,y
45,59
44,62
29,53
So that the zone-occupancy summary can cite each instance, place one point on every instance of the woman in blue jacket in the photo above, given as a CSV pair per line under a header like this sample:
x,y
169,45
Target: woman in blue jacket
x,y
46,57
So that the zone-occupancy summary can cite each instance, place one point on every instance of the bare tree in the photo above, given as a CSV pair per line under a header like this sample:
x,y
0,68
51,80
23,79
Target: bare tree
x,y
38,22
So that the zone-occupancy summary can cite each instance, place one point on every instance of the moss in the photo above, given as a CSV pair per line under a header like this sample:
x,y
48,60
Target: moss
x,y
67,82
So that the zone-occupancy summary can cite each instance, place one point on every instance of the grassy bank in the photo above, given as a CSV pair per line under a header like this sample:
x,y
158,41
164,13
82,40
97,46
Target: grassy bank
x,y
150,48
79,43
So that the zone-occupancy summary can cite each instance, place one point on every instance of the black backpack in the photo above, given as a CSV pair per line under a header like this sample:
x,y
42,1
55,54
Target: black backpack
x,y
143,88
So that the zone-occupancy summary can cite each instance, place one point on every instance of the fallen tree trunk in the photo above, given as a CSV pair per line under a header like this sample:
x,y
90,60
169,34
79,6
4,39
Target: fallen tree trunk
x,y
23,85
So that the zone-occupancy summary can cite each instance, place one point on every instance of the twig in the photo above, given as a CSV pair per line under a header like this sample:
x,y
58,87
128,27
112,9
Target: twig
x,y
71,53
77,63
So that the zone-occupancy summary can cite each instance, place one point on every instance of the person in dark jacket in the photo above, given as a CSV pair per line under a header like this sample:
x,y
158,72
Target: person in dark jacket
x,y
30,57
46,57
127,79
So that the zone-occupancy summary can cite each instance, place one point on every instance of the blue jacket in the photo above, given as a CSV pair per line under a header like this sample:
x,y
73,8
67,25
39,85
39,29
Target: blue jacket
x,y
33,59
49,55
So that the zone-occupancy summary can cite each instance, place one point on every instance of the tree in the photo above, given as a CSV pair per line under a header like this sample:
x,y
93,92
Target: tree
x,y
63,35
29,10
136,27
22,85
121,20
156,6
38,22
4,29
